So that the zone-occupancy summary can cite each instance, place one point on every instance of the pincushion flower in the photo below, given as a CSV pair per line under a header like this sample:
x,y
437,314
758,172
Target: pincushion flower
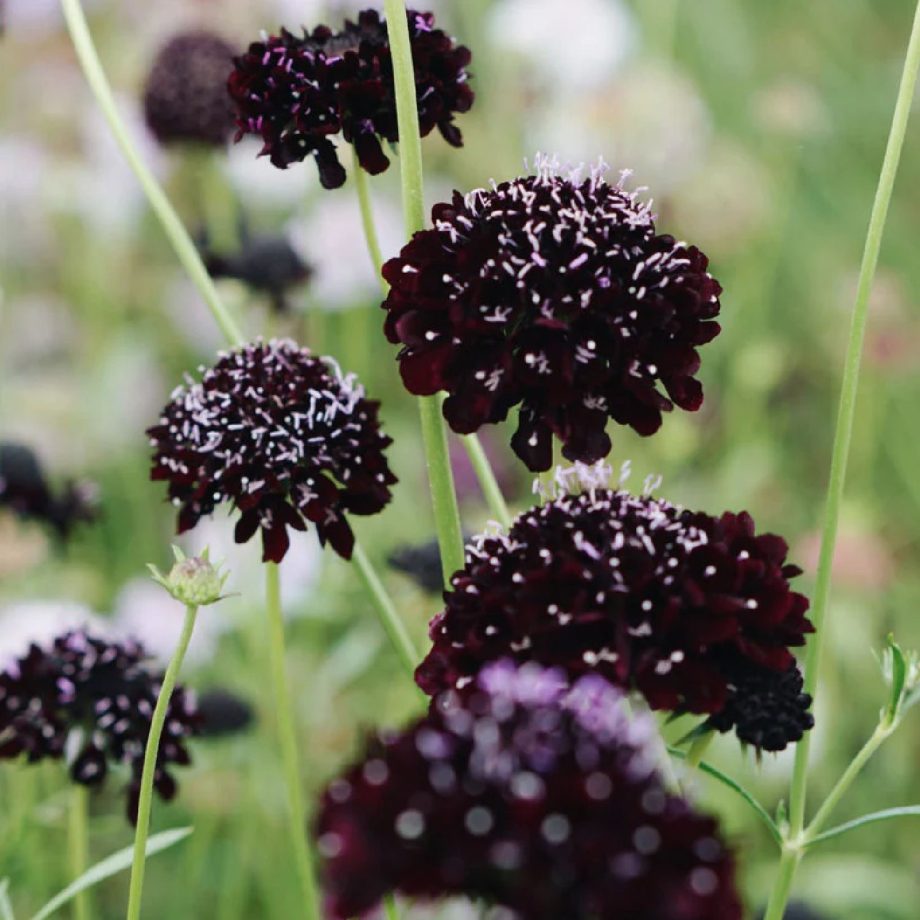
x,y
92,701
282,435
530,795
554,293
185,96
297,93
680,605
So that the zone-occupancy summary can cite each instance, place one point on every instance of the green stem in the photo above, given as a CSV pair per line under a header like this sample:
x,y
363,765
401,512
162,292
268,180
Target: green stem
x,y
779,896
172,225
390,908
440,476
386,611
287,732
847,407
367,217
150,762
78,845
699,748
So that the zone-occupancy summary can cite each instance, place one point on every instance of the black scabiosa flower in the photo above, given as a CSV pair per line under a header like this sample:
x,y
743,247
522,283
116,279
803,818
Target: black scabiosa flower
x,y
680,605
536,797
92,701
298,93
223,712
554,293
25,490
185,97
284,437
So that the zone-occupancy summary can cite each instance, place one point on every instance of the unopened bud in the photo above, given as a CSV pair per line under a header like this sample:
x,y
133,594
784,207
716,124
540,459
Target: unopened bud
x,y
193,581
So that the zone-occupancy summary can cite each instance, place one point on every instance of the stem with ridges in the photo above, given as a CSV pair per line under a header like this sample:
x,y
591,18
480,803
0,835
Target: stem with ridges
x,y
145,796
434,435
78,844
172,225
287,736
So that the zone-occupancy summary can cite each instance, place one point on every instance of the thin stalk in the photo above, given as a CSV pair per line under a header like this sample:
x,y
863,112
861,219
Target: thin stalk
x,y
440,476
779,896
367,217
78,845
847,407
173,227
386,611
390,908
287,735
151,752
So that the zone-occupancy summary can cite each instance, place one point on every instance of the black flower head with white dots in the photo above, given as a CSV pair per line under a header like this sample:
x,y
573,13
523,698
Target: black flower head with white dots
x,y
682,606
92,702
282,435
536,797
554,293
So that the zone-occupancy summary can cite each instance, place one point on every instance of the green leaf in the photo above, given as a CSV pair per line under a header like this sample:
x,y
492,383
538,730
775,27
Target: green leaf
x,y
726,780
6,908
898,678
110,866
904,811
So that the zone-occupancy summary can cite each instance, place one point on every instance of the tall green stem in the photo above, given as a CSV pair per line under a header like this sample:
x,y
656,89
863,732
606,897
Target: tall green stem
x,y
151,752
844,431
78,845
367,217
287,736
172,225
440,476
386,611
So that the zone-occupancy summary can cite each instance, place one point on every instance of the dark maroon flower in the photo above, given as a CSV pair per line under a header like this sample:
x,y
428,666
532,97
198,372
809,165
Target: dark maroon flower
x,y
674,603
185,98
553,293
92,701
282,435
530,795
25,490
298,93
223,712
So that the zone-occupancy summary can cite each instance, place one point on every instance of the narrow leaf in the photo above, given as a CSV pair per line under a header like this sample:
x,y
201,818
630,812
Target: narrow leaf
x,y
726,780
902,812
898,677
110,866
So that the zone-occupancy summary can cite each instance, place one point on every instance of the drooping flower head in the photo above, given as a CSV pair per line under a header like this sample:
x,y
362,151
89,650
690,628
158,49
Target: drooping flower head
x,y
684,607
185,97
282,435
92,701
531,795
297,93
554,293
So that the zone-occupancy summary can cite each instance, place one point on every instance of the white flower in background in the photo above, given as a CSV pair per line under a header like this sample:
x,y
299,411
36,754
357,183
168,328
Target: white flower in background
x,y
589,39
261,185
40,621
331,239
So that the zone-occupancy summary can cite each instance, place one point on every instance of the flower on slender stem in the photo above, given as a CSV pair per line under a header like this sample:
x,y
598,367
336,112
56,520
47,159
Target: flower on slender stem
x,y
296,93
185,97
91,701
284,436
528,794
684,607
26,491
554,293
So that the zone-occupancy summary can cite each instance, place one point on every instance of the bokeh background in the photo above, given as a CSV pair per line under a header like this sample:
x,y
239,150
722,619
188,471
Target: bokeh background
x,y
759,130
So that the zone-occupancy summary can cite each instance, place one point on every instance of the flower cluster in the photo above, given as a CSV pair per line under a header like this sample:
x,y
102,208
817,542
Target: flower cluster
x,y
537,797
25,490
92,701
556,294
281,434
682,606
296,93
185,98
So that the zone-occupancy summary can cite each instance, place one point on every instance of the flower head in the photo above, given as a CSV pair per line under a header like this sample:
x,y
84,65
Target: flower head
x,y
674,603
556,294
530,795
282,435
195,581
296,93
185,98
92,701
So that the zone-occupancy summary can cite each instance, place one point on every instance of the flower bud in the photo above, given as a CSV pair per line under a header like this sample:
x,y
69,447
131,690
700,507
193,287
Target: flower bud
x,y
195,581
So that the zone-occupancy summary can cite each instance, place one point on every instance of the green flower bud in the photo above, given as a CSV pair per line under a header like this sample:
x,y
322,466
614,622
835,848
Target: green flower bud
x,y
193,581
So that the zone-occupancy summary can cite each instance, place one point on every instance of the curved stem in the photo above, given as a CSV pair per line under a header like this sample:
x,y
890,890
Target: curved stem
x,y
287,735
847,407
386,611
440,476
487,481
367,217
78,845
172,225
157,721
